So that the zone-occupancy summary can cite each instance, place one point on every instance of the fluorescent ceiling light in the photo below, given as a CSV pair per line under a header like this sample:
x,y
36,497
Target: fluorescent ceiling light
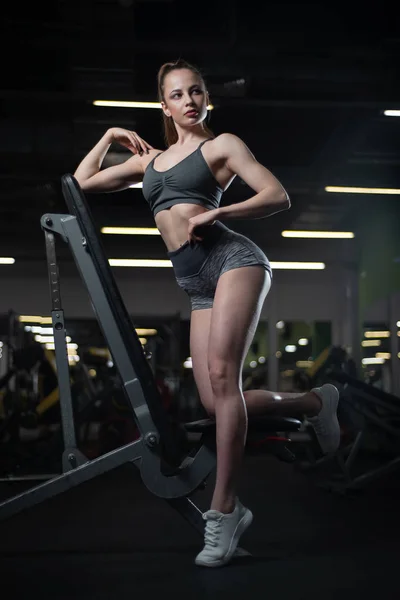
x,y
34,319
49,339
317,234
137,185
297,265
392,113
143,262
130,230
368,343
125,104
39,329
129,104
6,260
138,262
360,190
377,334
373,361
145,331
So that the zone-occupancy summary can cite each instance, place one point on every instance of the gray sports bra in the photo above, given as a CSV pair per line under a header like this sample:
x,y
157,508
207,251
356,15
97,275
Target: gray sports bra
x,y
190,181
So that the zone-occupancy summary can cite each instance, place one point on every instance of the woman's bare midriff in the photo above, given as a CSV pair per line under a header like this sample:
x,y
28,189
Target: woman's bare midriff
x,y
173,223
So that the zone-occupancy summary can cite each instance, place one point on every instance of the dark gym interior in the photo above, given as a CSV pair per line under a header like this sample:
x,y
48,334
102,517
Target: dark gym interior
x,y
107,458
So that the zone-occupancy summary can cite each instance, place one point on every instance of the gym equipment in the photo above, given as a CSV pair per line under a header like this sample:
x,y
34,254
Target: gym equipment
x,y
18,399
332,358
371,448
170,467
30,436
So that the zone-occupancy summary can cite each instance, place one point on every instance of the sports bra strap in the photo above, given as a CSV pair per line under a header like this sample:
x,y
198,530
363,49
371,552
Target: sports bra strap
x,y
203,142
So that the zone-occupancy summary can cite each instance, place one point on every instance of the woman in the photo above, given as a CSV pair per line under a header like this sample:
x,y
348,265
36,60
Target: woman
x,y
226,276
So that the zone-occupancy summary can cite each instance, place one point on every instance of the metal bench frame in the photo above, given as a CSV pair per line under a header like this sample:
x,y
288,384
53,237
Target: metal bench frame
x,y
157,445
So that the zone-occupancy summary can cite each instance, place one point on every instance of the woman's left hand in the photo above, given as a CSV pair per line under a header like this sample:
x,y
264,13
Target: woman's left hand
x,y
197,223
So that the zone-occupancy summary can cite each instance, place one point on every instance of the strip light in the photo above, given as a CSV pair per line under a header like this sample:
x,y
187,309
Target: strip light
x,y
35,319
130,230
145,331
139,262
361,190
392,113
7,260
318,234
373,361
124,104
133,104
377,334
314,266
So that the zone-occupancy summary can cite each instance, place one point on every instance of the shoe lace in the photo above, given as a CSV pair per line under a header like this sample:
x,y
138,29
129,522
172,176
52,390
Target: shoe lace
x,y
212,532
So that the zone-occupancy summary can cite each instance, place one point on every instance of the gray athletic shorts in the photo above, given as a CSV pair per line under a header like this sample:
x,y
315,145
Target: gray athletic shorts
x,y
198,266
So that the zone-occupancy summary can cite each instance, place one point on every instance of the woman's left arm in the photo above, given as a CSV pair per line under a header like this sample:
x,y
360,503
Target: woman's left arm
x,y
270,197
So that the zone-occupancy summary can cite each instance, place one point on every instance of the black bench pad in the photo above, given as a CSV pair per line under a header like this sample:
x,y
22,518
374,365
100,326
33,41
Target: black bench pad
x,y
260,423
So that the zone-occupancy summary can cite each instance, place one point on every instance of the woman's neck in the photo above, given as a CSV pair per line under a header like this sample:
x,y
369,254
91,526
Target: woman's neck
x,y
192,136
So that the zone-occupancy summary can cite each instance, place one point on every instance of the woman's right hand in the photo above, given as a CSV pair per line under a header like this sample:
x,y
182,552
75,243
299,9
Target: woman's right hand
x,y
130,139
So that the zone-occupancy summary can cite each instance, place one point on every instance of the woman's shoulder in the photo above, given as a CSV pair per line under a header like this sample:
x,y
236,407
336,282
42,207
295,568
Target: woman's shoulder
x,y
143,160
226,136
144,157
153,152
226,140
225,143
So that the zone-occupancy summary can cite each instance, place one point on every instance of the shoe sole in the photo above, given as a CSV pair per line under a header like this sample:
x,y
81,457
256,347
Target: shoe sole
x,y
241,527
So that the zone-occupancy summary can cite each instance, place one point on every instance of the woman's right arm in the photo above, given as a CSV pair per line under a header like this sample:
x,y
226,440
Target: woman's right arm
x,y
119,177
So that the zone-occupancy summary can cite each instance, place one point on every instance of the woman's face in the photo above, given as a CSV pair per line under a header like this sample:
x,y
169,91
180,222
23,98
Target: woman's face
x,y
185,97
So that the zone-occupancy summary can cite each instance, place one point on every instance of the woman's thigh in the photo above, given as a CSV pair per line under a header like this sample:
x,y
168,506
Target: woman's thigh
x,y
238,301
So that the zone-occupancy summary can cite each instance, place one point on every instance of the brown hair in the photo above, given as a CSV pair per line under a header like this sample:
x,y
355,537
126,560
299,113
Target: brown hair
x,y
170,133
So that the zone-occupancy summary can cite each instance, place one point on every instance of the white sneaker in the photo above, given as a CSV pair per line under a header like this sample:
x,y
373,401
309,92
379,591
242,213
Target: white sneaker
x,y
326,424
221,536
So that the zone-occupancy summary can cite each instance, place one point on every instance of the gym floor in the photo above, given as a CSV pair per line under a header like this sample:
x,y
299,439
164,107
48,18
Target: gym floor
x,y
110,538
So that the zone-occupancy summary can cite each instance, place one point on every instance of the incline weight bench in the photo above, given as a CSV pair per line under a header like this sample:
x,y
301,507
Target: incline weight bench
x,y
158,453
